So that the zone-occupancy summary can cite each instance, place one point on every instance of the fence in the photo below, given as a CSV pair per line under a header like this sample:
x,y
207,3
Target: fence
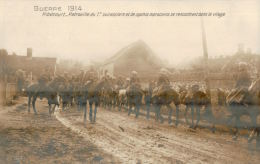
x,y
7,92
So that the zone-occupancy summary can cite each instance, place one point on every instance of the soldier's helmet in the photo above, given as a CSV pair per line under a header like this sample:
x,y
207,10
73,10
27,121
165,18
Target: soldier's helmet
x,y
134,73
128,79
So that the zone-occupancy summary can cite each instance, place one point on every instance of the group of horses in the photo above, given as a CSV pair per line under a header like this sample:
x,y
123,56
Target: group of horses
x,y
131,97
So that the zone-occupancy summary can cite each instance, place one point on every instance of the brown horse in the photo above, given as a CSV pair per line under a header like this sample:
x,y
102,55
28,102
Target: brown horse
x,y
245,102
164,95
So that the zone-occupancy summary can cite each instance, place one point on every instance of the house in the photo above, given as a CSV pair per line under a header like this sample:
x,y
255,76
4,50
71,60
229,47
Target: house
x,y
137,56
29,64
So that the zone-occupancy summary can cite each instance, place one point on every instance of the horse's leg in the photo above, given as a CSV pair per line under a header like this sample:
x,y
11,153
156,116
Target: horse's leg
x,y
192,115
130,109
95,111
63,105
49,109
170,113
177,115
253,117
211,117
137,106
156,106
148,110
53,109
114,102
258,138
90,112
33,104
198,115
29,102
85,113
78,104
185,114
237,123
159,114
119,105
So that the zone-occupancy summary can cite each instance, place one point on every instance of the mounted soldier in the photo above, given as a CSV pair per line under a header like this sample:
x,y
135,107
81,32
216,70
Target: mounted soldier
x,y
134,94
163,79
164,95
237,98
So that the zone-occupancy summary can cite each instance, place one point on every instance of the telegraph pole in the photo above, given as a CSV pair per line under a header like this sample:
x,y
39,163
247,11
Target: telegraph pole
x,y
205,53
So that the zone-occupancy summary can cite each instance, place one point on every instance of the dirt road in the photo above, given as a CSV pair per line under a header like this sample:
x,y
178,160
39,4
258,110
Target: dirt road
x,y
138,140
114,138
29,138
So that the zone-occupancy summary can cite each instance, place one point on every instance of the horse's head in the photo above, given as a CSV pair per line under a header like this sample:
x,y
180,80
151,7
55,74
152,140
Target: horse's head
x,y
255,86
254,90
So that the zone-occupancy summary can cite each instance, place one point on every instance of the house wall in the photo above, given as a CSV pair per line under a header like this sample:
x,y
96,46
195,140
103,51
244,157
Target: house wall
x,y
36,65
126,64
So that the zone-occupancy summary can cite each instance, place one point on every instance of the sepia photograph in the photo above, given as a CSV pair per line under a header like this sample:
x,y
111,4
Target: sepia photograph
x,y
127,81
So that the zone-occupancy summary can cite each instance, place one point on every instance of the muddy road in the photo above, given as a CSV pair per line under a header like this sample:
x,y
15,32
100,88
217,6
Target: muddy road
x,y
29,138
114,138
138,140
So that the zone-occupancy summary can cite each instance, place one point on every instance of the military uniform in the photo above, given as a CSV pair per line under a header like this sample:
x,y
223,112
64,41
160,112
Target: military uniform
x,y
163,80
243,80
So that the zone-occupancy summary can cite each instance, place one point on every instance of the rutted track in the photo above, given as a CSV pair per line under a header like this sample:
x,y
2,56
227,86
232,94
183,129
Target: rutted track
x,y
133,140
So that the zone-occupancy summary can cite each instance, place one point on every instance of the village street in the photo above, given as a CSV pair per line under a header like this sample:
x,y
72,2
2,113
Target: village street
x,y
115,137
27,138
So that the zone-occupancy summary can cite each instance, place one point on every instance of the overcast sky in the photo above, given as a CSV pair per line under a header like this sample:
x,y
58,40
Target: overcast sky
x,y
174,39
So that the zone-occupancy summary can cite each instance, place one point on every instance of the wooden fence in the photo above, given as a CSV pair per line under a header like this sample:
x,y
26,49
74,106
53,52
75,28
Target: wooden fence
x,y
7,92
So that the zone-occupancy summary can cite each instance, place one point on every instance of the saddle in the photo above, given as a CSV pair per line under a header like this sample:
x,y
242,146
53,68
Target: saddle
x,y
237,96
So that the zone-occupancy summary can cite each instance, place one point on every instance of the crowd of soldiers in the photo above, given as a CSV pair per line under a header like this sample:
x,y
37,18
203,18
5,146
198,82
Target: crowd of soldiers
x,y
86,89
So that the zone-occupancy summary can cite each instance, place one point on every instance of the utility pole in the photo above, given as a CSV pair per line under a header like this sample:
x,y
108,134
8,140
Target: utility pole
x,y
205,53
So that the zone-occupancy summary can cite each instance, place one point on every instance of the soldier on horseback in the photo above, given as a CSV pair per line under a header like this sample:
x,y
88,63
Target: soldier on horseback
x,y
164,95
134,93
237,98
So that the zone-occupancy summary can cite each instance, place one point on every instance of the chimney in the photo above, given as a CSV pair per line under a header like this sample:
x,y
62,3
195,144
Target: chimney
x,y
29,52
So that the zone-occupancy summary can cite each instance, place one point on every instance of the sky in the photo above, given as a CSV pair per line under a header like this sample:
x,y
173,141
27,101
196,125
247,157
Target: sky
x,y
173,39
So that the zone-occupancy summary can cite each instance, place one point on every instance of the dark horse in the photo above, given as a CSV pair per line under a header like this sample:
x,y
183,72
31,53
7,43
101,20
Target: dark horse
x,y
43,90
245,102
164,95
196,100
92,91
134,95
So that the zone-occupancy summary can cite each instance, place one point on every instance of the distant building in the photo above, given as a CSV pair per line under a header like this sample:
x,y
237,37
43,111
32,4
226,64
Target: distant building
x,y
137,56
30,64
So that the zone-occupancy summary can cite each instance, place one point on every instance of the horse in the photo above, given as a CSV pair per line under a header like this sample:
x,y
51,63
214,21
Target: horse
x,y
197,99
93,90
245,101
164,95
66,92
43,90
134,98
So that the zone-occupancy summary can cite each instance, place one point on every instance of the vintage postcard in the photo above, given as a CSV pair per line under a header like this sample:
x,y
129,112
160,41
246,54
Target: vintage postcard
x,y
127,81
